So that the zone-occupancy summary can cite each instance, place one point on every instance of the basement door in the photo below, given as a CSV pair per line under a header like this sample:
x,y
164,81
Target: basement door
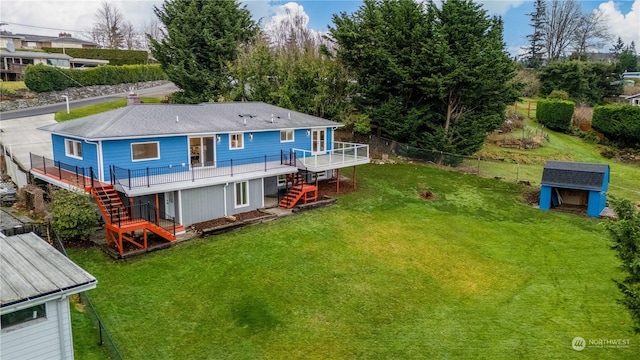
x,y
170,204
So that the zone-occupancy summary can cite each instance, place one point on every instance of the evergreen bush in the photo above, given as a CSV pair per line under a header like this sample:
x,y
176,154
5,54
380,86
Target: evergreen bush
x,y
620,123
555,114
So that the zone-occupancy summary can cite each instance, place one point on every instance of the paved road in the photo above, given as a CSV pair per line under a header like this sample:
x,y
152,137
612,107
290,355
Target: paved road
x,y
161,90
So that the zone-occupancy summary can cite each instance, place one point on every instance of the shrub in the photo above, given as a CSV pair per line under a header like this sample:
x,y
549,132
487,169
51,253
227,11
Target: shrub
x,y
115,57
620,123
559,94
41,78
555,114
74,215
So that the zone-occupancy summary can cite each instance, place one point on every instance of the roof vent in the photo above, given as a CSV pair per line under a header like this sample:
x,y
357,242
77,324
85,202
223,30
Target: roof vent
x,y
272,118
177,119
289,115
245,121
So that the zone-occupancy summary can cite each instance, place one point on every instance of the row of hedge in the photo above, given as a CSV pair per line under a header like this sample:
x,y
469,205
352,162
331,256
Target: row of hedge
x,y
42,78
620,123
115,57
555,113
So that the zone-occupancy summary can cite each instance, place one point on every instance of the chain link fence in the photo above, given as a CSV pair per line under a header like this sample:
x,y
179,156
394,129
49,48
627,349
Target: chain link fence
x,y
46,232
502,169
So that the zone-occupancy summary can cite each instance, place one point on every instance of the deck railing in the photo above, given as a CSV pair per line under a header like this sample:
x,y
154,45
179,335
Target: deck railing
x,y
342,153
147,177
129,214
80,176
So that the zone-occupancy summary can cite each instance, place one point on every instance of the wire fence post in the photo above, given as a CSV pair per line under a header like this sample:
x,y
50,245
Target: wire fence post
x,y
478,166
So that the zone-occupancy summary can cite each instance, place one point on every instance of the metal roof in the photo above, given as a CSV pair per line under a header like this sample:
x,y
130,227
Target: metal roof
x,y
45,38
574,175
136,121
32,269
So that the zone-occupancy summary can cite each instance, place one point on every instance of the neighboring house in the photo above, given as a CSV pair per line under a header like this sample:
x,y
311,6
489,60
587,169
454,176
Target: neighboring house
x,y
13,64
30,41
13,61
633,99
631,75
191,163
579,186
35,284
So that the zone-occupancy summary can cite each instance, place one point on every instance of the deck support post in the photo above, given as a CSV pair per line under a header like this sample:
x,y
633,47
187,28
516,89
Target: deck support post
x,y
337,181
157,209
354,178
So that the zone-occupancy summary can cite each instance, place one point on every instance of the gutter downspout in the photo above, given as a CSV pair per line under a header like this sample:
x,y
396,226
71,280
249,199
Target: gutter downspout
x,y
225,198
99,158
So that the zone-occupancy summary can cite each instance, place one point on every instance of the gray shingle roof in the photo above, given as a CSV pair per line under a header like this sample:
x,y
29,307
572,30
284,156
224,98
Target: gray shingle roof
x,y
574,175
163,120
31,268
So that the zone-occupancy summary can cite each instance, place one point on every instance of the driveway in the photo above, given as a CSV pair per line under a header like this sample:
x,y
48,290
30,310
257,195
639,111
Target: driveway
x,y
21,136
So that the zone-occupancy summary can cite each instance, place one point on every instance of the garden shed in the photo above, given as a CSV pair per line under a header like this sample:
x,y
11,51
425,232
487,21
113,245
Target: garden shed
x,y
574,186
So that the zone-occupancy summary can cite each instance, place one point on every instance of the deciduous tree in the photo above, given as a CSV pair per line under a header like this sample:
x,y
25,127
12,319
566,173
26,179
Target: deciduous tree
x,y
199,40
108,28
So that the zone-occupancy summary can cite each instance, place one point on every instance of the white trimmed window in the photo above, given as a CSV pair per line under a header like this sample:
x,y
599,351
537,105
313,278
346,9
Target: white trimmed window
x,y
24,315
145,151
73,148
236,141
286,135
282,180
242,194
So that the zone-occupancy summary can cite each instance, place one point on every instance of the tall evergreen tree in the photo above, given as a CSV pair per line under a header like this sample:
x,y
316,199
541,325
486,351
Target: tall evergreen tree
x,y
535,50
199,40
617,48
437,78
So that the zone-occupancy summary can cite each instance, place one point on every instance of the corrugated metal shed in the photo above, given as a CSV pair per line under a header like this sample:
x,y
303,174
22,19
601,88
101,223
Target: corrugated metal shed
x,y
31,269
574,175
137,121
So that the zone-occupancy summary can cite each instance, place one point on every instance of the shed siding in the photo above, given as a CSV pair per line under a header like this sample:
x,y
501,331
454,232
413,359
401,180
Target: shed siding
x,y
89,153
42,339
174,151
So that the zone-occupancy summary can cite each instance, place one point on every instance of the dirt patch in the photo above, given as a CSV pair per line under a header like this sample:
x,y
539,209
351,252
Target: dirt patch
x,y
237,218
427,195
532,197
328,188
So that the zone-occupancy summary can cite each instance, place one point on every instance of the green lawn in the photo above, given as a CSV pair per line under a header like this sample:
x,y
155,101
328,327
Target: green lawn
x,y
98,108
382,274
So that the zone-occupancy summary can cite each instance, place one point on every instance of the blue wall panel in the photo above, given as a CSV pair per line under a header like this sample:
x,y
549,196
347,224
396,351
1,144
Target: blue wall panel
x,y
89,153
545,197
174,152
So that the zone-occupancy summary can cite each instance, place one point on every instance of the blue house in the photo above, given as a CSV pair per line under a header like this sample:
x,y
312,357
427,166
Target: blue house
x,y
190,163
575,185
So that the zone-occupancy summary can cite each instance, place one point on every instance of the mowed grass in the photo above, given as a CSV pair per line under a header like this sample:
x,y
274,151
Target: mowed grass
x,y
382,274
98,108
528,164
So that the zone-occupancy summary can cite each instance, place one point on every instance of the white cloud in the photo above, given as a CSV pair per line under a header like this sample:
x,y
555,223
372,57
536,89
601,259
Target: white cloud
x,y
52,17
499,7
493,7
627,26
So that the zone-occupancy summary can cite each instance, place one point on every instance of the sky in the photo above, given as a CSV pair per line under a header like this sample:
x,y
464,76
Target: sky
x,y
50,17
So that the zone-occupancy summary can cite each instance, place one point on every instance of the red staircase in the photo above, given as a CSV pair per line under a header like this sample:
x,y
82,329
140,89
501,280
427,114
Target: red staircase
x,y
120,225
300,191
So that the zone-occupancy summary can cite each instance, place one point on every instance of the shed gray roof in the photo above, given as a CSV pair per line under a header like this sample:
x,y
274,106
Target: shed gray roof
x,y
574,175
162,120
30,268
